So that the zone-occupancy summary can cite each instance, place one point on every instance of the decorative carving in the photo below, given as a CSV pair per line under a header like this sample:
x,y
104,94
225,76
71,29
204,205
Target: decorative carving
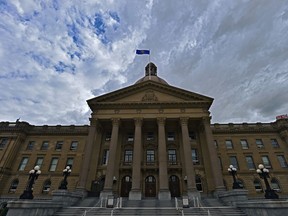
x,y
161,110
138,121
182,110
138,111
161,121
115,121
149,96
116,111
184,120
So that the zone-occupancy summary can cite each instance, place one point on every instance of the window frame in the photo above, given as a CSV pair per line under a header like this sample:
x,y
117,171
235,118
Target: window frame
x,y
244,144
74,145
249,163
229,144
23,163
53,165
236,165
59,145
172,157
45,145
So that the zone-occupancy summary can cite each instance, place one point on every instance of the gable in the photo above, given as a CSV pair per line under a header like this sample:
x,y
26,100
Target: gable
x,y
150,92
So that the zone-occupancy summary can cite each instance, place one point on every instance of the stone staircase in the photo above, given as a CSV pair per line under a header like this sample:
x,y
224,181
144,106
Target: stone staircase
x,y
150,207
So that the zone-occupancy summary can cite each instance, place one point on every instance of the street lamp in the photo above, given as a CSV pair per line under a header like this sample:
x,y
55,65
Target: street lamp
x,y
66,173
233,171
264,173
33,175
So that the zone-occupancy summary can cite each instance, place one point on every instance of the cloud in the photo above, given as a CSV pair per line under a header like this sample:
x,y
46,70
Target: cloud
x,y
55,55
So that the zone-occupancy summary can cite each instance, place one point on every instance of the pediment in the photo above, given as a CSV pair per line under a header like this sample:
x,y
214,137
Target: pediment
x,y
152,93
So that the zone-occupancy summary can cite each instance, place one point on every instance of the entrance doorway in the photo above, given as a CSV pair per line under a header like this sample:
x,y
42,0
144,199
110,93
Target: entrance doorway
x,y
150,186
96,187
126,184
174,186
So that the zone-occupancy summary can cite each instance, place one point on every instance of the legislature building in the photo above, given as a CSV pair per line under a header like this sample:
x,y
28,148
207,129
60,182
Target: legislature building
x,y
149,139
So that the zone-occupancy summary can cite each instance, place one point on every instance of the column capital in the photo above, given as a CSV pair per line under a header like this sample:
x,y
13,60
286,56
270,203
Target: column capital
x,y
184,120
206,119
138,121
161,121
115,121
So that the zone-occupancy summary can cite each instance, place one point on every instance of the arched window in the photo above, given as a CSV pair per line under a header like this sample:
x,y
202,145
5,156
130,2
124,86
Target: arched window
x,y
198,183
275,184
13,186
257,185
46,186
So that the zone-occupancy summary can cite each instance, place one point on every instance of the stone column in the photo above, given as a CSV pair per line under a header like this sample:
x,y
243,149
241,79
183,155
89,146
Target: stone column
x,y
92,136
135,193
164,193
108,186
189,167
214,161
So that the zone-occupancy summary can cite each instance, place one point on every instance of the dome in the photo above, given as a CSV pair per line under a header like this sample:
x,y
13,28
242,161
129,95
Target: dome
x,y
151,74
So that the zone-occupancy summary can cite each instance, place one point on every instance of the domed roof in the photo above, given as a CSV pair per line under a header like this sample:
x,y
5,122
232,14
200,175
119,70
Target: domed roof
x,y
151,74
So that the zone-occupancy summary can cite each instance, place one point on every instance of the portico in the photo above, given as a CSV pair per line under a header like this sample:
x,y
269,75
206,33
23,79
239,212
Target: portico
x,y
154,133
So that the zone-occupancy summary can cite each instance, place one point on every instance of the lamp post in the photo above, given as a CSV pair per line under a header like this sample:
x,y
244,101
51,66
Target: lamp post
x,y
66,173
264,173
33,175
233,171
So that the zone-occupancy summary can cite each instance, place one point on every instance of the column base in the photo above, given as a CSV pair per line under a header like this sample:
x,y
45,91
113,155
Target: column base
x,y
135,195
164,194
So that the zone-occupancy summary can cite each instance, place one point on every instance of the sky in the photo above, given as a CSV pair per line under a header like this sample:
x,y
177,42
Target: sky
x,y
54,55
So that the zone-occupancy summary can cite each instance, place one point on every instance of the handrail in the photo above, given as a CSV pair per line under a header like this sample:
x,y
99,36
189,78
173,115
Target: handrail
x,y
86,211
176,203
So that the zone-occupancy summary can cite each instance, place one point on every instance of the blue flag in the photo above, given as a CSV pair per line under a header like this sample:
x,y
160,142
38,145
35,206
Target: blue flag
x,y
141,52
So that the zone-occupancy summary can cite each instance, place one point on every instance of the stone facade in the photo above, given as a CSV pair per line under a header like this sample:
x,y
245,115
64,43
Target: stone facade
x,y
149,139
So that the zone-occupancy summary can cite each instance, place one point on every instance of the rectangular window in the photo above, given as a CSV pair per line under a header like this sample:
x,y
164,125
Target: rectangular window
x,y
23,163
250,163
53,164
150,156
128,156
108,136
30,145
229,144
74,145
282,161
105,157
274,143
192,135
195,156
266,161
39,161
234,161
172,156
3,142
45,145
244,144
150,136
59,145
130,137
259,143
170,136
69,162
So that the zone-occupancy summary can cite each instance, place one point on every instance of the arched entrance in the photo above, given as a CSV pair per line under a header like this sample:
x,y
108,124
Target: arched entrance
x,y
150,186
97,186
126,184
174,186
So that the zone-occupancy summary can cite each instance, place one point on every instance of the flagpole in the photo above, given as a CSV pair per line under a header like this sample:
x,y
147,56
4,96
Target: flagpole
x,y
149,64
